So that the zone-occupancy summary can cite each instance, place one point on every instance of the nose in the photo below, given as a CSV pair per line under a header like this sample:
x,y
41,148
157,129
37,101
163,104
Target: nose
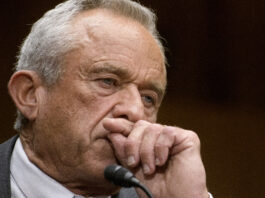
x,y
129,105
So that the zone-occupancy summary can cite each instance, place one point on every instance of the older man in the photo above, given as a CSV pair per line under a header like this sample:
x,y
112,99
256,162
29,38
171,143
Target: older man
x,y
88,85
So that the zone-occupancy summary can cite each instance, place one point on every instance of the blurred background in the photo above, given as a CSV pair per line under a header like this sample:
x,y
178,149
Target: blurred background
x,y
216,56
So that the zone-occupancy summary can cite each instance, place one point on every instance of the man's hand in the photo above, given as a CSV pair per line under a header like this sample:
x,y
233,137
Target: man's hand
x,y
166,159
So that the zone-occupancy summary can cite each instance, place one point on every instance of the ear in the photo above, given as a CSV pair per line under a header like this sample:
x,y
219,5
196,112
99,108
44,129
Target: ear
x,y
22,87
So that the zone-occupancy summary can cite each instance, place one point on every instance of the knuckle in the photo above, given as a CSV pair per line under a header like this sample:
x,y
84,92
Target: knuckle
x,y
170,129
193,137
168,132
153,129
141,123
155,126
159,146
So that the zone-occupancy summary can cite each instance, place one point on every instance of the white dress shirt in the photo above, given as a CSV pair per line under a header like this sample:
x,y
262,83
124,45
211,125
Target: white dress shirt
x,y
28,181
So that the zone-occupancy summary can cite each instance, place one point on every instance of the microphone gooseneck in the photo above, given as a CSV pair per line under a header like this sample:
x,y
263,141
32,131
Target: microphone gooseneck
x,y
121,176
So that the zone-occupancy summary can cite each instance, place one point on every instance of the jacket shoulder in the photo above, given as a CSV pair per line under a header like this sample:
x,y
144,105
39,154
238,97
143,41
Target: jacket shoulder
x,y
6,149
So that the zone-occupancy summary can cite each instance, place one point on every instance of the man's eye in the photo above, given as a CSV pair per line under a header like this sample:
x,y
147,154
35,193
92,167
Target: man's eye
x,y
148,100
108,82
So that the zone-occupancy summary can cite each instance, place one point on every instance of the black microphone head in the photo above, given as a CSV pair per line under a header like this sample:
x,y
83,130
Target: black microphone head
x,y
120,176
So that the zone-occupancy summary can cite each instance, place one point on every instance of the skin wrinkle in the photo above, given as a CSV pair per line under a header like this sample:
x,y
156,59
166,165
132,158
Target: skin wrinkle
x,y
91,28
103,111
71,112
123,74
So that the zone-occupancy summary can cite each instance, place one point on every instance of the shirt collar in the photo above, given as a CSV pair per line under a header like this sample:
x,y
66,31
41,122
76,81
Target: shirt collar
x,y
31,180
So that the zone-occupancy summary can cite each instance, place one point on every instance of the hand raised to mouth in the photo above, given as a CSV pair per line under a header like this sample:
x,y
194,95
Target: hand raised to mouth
x,y
167,159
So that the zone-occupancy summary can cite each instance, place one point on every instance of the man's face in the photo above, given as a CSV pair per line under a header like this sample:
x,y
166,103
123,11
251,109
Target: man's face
x,y
117,72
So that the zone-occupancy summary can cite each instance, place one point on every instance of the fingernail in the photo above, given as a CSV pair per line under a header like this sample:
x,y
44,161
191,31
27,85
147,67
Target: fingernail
x,y
131,160
146,168
157,161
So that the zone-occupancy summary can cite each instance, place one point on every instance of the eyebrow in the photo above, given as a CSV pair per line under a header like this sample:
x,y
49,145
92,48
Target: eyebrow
x,y
156,87
124,73
109,68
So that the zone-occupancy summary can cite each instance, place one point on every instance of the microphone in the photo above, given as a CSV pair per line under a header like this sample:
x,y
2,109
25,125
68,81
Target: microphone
x,y
121,176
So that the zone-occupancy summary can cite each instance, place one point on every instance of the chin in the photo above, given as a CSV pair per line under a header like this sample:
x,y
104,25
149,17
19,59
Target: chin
x,y
91,176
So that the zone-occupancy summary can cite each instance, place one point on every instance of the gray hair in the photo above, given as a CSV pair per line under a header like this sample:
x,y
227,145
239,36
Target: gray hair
x,y
51,37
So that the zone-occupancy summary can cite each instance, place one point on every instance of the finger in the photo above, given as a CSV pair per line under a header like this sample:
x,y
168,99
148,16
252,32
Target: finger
x,y
147,151
133,143
118,125
172,141
163,144
187,141
118,142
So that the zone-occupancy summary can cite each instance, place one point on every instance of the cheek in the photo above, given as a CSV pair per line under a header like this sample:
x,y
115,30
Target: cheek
x,y
152,118
70,125
83,115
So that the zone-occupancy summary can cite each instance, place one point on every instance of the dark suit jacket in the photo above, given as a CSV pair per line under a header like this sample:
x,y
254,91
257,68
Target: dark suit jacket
x,y
6,149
